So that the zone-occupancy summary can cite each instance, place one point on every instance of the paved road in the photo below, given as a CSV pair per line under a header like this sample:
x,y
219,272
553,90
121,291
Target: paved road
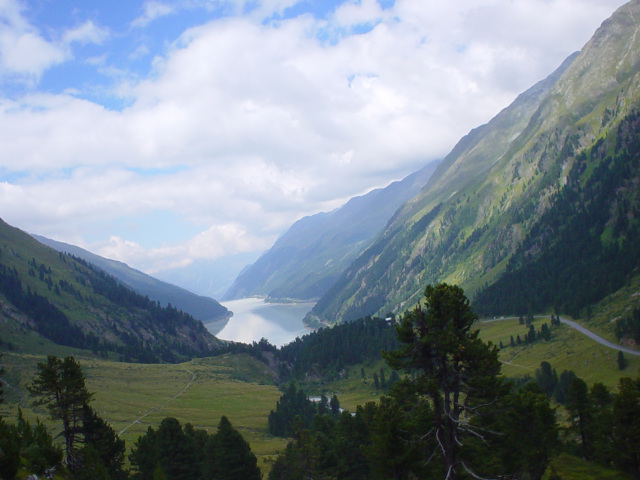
x,y
598,339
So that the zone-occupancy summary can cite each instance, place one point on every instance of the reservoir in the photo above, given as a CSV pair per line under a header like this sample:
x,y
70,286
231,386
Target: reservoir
x,y
253,319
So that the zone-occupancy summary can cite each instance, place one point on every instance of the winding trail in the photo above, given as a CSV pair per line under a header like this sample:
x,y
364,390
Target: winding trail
x,y
597,338
162,405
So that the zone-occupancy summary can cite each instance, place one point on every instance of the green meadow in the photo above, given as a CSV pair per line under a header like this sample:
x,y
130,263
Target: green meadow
x,y
568,349
133,397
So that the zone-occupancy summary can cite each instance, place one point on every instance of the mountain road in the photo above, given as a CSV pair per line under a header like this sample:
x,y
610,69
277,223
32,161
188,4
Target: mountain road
x,y
597,338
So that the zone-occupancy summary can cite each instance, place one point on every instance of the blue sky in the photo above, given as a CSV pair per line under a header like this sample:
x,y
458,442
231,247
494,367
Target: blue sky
x,y
163,133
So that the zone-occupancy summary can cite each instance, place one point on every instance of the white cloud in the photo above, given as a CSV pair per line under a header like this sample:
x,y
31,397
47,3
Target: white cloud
x,y
88,32
25,53
215,242
151,11
244,126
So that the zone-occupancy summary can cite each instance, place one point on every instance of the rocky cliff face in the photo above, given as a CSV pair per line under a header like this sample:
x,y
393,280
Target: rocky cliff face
x,y
494,188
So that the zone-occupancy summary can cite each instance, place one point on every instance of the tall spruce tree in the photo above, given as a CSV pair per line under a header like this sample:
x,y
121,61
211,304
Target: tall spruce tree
x,y
59,384
229,456
455,369
104,441
626,426
579,407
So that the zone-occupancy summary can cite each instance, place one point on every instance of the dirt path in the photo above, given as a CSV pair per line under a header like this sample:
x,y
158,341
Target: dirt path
x,y
162,405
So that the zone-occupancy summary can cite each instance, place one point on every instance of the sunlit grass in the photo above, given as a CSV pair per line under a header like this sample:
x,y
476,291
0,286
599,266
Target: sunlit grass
x,y
568,349
133,397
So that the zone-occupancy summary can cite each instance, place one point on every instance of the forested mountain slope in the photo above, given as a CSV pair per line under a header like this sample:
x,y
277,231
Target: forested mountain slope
x,y
205,309
306,260
73,303
506,194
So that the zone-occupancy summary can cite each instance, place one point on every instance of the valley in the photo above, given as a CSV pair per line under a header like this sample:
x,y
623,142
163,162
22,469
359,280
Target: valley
x,y
478,318
132,397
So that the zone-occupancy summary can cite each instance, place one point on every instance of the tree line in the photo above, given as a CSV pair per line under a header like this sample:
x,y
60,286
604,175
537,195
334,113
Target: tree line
x,y
586,243
454,416
52,323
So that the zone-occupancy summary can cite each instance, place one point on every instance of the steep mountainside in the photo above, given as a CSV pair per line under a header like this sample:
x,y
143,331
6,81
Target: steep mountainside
x,y
73,303
310,256
205,309
500,199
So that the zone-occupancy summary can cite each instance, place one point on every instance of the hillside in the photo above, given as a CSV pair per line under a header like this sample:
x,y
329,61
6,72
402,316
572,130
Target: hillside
x,y
70,302
503,197
307,259
205,309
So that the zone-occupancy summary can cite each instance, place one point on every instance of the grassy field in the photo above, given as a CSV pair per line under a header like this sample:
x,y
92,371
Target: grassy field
x,y
568,467
567,350
132,397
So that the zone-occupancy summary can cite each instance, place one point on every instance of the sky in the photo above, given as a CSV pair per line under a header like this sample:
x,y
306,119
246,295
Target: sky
x,y
165,133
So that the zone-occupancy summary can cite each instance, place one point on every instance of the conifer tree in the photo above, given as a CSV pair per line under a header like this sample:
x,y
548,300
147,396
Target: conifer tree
x,y
59,384
229,456
626,426
457,370
579,408
101,437
622,362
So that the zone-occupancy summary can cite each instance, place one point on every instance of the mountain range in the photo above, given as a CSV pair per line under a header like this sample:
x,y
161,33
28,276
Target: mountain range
x,y
202,308
536,210
50,296
307,259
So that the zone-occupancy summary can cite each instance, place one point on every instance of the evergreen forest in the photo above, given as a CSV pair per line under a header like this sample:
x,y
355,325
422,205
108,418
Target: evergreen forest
x,y
447,413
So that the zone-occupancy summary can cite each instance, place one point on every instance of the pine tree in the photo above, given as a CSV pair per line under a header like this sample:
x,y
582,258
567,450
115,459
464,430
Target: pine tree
x,y
453,363
579,408
626,426
104,440
622,361
229,456
334,404
174,453
59,384
529,433
144,456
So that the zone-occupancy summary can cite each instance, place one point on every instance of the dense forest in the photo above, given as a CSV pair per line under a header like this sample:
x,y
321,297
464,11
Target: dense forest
x,y
586,244
323,353
52,323
450,414
327,351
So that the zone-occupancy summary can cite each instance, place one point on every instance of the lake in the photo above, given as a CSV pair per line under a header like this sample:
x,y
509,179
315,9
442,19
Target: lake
x,y
253,319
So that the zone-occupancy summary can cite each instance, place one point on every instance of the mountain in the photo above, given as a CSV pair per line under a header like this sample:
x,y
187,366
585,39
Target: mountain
x,y
536,210
205,309
70,302
306,260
